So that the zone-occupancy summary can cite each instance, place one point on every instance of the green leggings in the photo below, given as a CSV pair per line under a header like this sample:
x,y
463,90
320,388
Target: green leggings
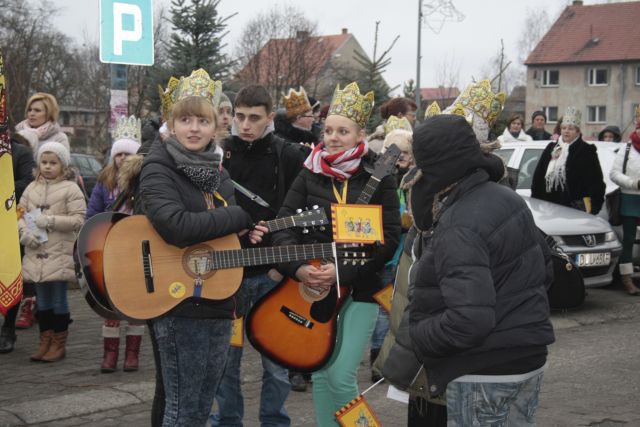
x,y
336,384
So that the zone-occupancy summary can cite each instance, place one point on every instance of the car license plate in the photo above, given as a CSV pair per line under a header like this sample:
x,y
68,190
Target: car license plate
x,y
593,260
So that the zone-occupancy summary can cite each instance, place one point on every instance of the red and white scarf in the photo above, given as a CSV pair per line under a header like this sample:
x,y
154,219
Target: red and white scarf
x,y
339,165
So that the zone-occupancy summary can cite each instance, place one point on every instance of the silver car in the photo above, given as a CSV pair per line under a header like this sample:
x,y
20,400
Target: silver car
x,y
589,240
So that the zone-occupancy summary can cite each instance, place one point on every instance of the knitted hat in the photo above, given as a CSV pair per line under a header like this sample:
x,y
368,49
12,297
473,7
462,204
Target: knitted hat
x,y
403,139
538,113
56,148
128,146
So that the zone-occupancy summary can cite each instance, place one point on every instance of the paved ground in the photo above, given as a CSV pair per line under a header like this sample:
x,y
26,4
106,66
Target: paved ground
x,y
593,376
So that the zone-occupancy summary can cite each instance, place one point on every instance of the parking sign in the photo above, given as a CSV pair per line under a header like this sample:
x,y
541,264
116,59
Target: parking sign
x,y
126,32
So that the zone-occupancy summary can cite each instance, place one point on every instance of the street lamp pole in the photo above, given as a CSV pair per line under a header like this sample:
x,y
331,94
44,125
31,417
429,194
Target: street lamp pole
x,y
419,56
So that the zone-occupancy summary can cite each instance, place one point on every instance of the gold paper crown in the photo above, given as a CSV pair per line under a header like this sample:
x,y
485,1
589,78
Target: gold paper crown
x,y
198,84
572,116
393,123
296,103
351,104
432,110
165,96
479,99
128,128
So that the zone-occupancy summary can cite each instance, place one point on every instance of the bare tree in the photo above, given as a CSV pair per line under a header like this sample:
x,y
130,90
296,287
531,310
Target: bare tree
x,y
535,26
447,79
280,49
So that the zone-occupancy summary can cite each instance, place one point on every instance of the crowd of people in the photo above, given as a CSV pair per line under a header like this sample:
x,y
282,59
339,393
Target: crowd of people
x,y
470,268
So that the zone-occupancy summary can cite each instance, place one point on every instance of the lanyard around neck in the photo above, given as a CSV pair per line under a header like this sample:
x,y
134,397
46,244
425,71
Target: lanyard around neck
x,y
341,200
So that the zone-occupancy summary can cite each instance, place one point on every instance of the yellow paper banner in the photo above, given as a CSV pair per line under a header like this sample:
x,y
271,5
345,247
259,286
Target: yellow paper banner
x,y
357,413
357,223
384,297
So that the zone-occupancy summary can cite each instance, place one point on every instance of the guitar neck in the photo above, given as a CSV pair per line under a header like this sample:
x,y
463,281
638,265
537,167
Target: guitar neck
x,y
280,224
367,192
269,255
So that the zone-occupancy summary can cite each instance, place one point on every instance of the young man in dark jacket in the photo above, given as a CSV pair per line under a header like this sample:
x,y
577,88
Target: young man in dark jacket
x,y
479,314
266,166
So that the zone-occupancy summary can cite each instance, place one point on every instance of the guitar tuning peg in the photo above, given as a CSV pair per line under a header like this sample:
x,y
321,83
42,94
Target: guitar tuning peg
x,y
314,207
322,228
305,231
298,210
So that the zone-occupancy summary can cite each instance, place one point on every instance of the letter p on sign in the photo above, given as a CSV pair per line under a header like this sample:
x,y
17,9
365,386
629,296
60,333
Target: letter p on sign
x,y
126,32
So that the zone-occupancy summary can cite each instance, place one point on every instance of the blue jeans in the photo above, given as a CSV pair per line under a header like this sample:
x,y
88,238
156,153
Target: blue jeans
x,y
192,357
275,379
493,404
52,296
388,275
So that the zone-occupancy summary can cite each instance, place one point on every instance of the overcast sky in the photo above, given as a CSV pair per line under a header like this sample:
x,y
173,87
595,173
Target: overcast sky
x,y
468,43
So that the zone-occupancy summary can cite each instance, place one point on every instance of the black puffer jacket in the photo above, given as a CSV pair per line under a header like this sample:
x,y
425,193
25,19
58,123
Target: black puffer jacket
x,y
584,177
479,302
311,189
178,211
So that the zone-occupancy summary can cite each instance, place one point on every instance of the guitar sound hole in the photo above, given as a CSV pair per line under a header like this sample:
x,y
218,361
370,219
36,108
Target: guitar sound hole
x,y
196,261
322,311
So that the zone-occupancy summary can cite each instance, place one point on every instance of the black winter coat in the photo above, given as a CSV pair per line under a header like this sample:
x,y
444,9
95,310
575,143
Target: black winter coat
x,y
23,166
292,134
311,189
538,134
584,177
178,211
479,303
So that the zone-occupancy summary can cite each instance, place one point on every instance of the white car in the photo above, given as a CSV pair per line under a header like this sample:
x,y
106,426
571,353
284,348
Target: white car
x,y
589,240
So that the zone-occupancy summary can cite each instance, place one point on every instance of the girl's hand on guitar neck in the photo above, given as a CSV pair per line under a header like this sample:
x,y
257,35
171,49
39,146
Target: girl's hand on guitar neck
x,y
255,235
320,278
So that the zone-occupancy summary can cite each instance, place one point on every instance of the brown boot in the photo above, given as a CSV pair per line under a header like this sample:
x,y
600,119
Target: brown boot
x,y
57,351
45,343
110,359
629,286
132,350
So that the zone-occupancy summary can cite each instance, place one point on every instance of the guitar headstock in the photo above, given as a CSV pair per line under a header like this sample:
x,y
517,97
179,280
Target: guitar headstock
x,y
307,218
354,254
386,163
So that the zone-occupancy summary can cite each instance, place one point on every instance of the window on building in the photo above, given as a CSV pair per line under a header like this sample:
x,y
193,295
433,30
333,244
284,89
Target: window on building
x,y
65,118
597,114
598,76
551,113
550,77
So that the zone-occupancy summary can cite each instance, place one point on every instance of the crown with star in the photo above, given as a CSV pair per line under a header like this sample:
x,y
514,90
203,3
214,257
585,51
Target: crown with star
x,y
349,103
393,123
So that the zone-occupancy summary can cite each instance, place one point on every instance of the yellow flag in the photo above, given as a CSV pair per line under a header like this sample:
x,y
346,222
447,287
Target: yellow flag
x,y
10,264
357,413
237,332
384,297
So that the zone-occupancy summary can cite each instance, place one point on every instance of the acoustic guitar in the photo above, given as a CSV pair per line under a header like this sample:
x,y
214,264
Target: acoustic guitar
x,y
89,248
145,277
304,341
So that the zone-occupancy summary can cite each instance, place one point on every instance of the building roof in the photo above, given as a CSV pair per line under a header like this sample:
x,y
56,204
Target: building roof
x,y
274,52
440,92
597,33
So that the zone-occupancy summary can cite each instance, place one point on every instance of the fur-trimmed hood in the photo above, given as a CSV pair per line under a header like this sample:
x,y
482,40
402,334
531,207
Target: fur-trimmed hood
x,y
129,173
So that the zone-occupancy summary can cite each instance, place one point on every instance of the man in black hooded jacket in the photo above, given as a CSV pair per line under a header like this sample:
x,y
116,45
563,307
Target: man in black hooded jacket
x,y
479,314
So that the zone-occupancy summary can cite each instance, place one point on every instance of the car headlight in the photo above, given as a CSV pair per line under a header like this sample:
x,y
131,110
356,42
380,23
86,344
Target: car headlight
x,y
610,236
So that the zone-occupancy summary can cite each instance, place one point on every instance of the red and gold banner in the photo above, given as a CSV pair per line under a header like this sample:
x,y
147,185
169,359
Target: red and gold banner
x,y
10,264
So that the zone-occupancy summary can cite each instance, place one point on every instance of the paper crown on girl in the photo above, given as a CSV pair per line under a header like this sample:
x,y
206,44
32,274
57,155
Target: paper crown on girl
x,y
572,116
128,128
349,103
393,123
165,97
296,103
197,84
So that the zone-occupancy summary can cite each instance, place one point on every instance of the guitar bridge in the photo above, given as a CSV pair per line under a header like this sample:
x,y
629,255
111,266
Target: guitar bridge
x,y
148,269
296,318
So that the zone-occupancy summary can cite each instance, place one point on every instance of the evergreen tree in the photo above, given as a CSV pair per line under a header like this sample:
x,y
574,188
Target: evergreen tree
x,y
196,41
370,77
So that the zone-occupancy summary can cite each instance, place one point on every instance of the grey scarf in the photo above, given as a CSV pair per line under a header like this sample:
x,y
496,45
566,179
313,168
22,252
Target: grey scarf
x,y
202,168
